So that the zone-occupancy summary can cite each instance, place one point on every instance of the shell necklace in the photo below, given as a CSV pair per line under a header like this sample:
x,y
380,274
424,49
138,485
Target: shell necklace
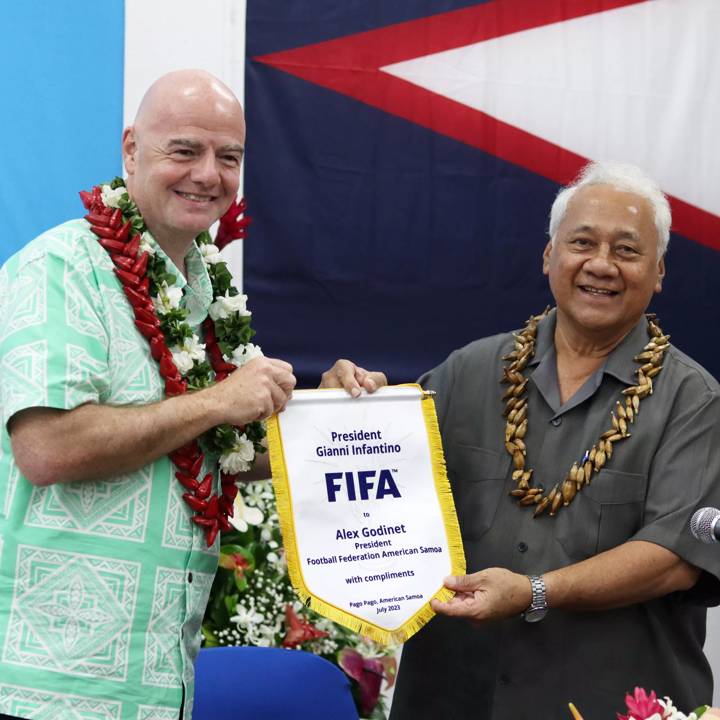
x,y
594,459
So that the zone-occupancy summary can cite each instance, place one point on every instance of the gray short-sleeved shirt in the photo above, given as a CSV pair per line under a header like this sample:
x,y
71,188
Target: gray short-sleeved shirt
x,y
649,490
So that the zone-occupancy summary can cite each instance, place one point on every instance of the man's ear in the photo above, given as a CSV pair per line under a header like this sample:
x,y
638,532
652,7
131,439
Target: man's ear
x,y
661,274
129,148
546,257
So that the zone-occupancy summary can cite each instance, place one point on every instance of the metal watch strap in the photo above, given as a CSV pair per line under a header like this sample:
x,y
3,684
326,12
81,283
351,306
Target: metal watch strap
x,y
538,607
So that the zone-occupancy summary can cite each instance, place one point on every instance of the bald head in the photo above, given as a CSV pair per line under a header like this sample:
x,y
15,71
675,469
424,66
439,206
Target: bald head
x,y
182,155
185,91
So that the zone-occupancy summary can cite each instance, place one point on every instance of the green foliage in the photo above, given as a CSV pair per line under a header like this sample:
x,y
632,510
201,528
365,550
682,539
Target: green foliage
x,y
222,280
158,275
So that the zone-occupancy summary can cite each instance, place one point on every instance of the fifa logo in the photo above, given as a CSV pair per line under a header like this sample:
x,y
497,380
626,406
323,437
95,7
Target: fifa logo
x,y
360,485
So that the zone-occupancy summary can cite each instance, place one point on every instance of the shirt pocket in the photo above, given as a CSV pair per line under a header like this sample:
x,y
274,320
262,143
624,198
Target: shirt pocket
x,y
477,478
603,515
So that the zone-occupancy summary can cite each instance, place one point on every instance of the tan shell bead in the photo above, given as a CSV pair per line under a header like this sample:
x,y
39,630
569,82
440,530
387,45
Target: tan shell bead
x,y
521,414
599,460
556,504
629,410
522,429
541,506
568,491
608,449
580,478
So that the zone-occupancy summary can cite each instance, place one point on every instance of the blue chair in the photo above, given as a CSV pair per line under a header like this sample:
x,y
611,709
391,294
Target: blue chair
x,y
251,683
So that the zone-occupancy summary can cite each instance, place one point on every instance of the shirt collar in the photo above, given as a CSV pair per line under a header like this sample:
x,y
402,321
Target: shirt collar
x,y
197,288
619,363
545,338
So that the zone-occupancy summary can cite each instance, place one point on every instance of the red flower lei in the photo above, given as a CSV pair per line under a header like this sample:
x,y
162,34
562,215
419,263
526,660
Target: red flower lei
x,y
116,233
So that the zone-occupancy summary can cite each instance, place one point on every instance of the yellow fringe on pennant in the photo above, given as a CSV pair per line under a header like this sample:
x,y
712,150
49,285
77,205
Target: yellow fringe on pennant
x,y
445,496
283,499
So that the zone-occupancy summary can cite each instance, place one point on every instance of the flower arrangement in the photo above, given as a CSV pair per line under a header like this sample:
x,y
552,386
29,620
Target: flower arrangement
x,y
641,706
253,603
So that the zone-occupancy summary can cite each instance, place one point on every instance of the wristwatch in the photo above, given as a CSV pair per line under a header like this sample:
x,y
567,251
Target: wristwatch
x,y
538,607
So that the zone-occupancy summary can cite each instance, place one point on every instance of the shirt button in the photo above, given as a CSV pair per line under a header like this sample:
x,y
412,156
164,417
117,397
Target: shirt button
x,y
522,547
189,577
556,422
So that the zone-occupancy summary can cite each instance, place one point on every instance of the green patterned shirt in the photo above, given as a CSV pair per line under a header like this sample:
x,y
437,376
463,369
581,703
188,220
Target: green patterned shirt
x,y
102,584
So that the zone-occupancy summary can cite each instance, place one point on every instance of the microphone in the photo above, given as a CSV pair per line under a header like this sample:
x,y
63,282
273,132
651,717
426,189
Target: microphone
x,y
704,525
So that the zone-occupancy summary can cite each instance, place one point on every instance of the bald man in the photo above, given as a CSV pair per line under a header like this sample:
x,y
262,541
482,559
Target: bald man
x,y
104,577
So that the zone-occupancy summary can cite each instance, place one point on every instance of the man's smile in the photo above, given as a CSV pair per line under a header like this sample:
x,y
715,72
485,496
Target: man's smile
x,y
597,291
194,197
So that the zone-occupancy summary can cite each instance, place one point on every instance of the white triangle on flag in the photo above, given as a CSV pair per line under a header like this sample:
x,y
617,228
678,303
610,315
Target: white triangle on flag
x,y
639,84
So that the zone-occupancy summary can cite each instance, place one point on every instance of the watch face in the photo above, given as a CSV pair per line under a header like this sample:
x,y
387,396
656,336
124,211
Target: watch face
x,y
535,615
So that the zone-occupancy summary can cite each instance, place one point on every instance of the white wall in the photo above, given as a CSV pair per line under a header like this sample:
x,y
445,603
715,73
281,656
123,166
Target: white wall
x,y
166,35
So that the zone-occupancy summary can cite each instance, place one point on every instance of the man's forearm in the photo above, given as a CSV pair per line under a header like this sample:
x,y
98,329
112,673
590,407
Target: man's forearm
x,y
93,442
630,573
633,572
99,441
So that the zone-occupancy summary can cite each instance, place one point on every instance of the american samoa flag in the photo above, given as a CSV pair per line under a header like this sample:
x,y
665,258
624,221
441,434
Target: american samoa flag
x,y
401,156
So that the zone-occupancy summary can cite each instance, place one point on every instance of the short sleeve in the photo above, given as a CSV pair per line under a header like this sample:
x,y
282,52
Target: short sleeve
x,y
684,476
53,343
440,381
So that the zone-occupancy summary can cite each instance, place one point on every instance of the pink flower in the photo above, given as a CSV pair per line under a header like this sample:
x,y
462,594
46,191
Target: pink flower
x,y
641,706
369,673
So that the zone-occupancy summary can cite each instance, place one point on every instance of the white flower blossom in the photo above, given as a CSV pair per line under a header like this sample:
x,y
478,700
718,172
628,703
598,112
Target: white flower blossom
x,y
239,457
182,361
168,299
226,305
245,617
244,516
112,197
244,354
146,245
233,463
211,253
670,712
188,353
255,495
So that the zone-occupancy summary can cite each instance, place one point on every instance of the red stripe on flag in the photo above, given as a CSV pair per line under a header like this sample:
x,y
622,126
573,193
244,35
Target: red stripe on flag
x,y
373,49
